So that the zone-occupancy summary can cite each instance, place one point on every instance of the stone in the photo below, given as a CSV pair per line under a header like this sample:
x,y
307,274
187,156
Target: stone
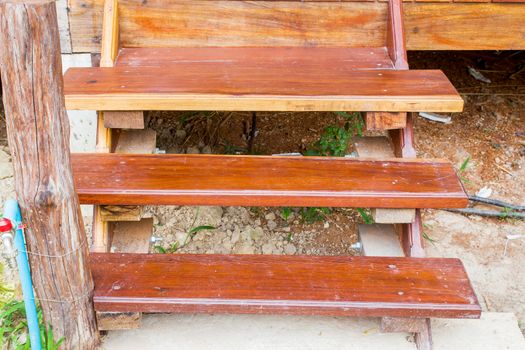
x,y
208,216
206,150
244,249
192,150
256,233
236,235
180,237
290,249
268,248
272,225
180,135
326,225
270,216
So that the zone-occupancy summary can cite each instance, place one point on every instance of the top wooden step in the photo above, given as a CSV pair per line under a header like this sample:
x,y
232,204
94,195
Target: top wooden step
x,y
259,79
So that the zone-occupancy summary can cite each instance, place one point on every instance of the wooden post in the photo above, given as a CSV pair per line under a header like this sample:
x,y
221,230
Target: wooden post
x,y
38,135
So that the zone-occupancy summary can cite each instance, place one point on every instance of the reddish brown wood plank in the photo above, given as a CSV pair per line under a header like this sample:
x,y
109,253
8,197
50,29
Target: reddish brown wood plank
x,y
128,179
350,58
258,87
346,286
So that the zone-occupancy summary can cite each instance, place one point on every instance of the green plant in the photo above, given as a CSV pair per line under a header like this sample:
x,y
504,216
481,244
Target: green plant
x,y
428,238
463,168
285,213
365,214
313,214
14,330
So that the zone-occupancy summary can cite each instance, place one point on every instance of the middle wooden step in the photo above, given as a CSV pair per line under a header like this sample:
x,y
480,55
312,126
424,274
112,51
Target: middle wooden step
x,y
130,179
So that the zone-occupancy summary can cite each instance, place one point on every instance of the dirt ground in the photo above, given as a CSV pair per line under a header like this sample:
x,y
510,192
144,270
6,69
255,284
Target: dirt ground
x,y
490,132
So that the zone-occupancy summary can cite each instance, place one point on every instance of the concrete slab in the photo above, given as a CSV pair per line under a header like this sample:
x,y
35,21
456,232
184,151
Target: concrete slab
x,y
255,332
379,240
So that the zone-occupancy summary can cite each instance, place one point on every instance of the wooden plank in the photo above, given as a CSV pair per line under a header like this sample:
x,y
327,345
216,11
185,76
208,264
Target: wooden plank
x,y
350,58
248,88
111,321
393,216
110,33
120,213
323,285
160,23
132,237
428,26
420,326
124,120
136,141
126,179
385,120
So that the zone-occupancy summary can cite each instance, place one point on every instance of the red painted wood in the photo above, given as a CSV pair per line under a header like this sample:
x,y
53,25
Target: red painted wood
x,y
345,286
128,179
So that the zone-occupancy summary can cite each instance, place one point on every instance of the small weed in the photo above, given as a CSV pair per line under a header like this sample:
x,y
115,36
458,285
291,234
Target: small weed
x,y
289,237
285,213
256,210
463,168
365,214
428,238
313,214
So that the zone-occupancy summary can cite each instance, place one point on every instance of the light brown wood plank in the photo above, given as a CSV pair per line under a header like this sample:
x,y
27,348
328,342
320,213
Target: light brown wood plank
x,y
125,179
385,120
345,286
428,26
247,87
349,58
124,120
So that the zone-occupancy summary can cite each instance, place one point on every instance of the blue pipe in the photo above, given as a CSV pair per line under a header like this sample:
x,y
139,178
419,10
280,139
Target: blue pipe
x,y
12,212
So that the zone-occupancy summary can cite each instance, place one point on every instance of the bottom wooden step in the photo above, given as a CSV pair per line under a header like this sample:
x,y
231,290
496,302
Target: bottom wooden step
x,y
320,285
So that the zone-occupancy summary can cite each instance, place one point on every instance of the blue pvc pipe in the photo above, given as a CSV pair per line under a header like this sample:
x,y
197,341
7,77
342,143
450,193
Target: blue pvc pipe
x,y
12,212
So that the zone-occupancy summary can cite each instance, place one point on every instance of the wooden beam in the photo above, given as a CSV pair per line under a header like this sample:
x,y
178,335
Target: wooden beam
x,y
385,120
38,134
110,34
124,120
395,35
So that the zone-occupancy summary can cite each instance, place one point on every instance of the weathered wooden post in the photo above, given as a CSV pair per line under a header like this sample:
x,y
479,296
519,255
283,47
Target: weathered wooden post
x,y
38,135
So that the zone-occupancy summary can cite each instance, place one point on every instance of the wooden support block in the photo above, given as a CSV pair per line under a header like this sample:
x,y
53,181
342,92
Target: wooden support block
x,y
132,237
420,326
379,240
380,147
393,216
124,120
373,147
128,237
110,321
136,141
121,213
385,120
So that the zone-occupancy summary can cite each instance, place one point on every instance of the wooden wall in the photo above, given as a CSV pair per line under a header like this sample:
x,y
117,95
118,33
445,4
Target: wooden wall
x,y
429,25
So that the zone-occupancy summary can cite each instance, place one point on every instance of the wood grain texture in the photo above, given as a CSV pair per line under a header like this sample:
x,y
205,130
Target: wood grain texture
x,y
124,120
349,58
395,37
184,23
249,87
317,285
38,134
385,120
123,179
428,26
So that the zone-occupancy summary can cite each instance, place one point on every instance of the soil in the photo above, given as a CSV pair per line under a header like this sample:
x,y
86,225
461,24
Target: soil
x,y
490,133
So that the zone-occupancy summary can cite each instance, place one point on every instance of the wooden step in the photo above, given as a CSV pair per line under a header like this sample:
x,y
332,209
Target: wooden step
x,y
201,82
134,179
324,285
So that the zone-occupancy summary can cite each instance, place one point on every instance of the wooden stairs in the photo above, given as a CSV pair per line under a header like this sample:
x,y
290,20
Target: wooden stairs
x,y
404,289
